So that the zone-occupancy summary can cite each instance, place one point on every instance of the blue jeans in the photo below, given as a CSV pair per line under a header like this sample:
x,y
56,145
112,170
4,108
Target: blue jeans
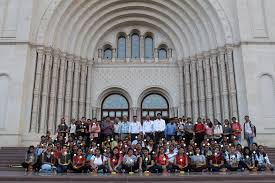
x,y
249,140
62,169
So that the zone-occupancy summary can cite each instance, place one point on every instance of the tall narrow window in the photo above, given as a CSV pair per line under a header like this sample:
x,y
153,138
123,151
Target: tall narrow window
x,y
107,54
135,45
162,54
121,47
148,47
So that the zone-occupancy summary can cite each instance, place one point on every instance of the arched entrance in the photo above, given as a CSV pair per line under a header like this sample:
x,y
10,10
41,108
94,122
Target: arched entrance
x,y
154,103
114,105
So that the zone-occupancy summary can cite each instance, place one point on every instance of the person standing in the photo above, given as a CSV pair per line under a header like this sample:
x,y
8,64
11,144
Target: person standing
x,y
170,129
107,128
200,131
134,128
159,128
117,124
236,130
249,131
148,127
188,130
124,128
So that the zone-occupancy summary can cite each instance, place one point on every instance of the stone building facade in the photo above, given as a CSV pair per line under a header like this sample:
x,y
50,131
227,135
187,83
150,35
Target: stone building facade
x,y
64,58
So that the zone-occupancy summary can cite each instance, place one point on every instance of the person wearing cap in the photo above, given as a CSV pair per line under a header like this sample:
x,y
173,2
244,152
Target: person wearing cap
x,y
135,128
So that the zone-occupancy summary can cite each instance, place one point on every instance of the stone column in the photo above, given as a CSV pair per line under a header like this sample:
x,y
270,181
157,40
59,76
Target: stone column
x,y
128,48
83,84
76,85
232,83
99,57
94,112
170,54
113,54
187,88
223,83
88,92
181,95
194,89
53,92
37,90
61,88
215,86
201,86
141,46
156,55
68,93
208,87
45,91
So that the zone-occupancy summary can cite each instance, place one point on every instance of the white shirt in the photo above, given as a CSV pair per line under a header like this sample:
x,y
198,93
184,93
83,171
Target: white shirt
x,y
148,127
72,128
135,127
247,128
116,127
159,125
98,160
218,129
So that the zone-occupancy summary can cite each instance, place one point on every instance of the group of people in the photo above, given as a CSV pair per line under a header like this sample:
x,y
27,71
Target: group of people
x,y
151,146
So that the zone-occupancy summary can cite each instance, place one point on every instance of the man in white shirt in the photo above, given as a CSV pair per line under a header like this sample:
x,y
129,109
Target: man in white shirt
x,y
116,126
134,128
249,131
159,126
148,127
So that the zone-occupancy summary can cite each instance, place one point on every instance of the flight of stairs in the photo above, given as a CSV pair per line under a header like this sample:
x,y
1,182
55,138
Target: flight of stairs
x,y
12,157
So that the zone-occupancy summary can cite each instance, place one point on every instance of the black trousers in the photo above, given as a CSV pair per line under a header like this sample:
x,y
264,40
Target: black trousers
x,y
159,136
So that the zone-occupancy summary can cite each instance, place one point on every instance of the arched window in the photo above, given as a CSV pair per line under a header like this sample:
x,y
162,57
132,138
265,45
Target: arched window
x,y
107,54
121,47
148,47
135,45
153,104
162,53
115,105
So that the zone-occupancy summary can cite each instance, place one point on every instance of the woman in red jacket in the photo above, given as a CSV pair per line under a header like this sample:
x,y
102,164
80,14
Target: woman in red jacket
x,y
199,130
161,161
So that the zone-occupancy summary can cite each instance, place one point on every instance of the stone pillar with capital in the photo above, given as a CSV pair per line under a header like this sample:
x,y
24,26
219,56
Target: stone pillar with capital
x,y
99,57
128,48
215,85
201,86
156,55
208,87
141,48
223,83
68,93
88,112
83,83
232,82
194,89
37,90
61,88
170,54
187,88
181,90
75,98
45,91
53,92
113,54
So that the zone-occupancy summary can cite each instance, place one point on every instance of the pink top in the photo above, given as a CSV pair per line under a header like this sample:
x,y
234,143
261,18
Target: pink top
x,y
209,131
94,129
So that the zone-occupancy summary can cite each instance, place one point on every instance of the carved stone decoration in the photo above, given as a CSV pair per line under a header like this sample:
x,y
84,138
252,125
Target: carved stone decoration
x,y
61,88
187,88
223,85
37,90
68,94
141,48
201,87
45,91
216,90
194,89
83,82
208,87
232,83
76,79
53,92
88,112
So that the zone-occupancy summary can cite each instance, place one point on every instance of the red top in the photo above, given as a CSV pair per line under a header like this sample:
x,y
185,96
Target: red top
x,y
115,159
181,160
216,159
199,128
161,159
236,129
78,160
